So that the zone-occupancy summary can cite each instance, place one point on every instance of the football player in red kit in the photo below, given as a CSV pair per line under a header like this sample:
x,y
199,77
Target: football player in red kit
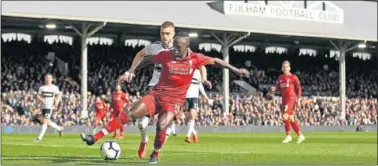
x,y
119,103
101,110
290,88
168,96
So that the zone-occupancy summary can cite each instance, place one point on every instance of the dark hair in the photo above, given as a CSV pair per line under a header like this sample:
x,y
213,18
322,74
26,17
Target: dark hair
x,y
167,24
182,34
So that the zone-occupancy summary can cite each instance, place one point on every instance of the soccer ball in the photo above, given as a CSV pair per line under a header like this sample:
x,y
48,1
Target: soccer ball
x,y
110,150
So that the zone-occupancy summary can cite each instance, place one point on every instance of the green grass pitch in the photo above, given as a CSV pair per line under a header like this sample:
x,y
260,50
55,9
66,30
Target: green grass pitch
x,y
213,148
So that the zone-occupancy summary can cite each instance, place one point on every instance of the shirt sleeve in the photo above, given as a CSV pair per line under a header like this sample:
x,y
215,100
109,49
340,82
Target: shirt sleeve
x,y
124,97
202,90
297,86
160,57
148,51
40,91
57,91
151,49
278,83
203,60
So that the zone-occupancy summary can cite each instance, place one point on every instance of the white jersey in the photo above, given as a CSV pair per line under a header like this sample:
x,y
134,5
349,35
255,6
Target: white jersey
x,y
195,86
48,92
151,50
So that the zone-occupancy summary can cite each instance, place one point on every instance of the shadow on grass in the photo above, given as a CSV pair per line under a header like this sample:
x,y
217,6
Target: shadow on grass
x,y
81,160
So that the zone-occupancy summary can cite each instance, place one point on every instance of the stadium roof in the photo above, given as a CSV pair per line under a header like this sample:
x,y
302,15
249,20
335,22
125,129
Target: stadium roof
x,y
201,15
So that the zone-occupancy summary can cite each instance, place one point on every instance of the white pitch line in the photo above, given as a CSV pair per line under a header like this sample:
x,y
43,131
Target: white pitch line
x,y
44,145
308,136
93,147
84,158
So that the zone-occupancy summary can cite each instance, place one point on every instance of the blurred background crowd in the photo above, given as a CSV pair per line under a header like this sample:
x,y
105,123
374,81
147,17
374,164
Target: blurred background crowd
x,y
24,64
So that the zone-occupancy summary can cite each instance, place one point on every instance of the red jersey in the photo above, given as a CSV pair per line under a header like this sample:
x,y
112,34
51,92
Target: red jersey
x,y
100,106
289,87
176,75
119,99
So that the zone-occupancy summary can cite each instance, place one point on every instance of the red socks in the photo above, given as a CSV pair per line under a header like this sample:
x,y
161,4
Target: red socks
x,y
159,139
98,135
295,127
121,129
287,127
112,126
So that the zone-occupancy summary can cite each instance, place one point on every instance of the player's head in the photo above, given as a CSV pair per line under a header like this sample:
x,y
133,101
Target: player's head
x,y
167,32
118,87
181,44
98,98
48,79
286,67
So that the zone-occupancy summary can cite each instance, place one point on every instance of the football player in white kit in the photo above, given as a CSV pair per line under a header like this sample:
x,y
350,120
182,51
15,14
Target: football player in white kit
x,y
167,33
49,96
191,107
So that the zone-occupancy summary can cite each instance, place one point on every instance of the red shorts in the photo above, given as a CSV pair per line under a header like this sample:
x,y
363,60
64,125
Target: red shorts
x,y
100,115
156,106
288,108
115,114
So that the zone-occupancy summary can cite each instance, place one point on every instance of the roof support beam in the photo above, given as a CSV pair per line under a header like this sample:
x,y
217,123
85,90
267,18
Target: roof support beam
x,y
343,48
228,40
85,33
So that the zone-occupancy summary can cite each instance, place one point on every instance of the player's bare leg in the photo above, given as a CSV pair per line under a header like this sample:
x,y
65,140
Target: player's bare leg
x,y
296,128
138,110
164,120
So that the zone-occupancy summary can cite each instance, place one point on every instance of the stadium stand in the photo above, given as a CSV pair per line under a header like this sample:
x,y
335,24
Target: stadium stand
x,y
107,62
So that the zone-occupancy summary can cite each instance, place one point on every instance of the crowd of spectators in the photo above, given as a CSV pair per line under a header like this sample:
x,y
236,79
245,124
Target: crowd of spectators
x,y
24,64
19,107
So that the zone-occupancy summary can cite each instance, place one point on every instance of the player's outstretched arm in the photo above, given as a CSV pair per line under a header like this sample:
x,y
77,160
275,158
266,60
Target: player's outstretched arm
x,y
202,91
58,98
223,64
203,72
129,74
145,62
138,58
204,80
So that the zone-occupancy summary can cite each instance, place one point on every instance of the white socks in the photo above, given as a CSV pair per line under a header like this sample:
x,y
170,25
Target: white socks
x,y
191,130
104,131
43,131
44,128
55,126
142,125
173,128
168,132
